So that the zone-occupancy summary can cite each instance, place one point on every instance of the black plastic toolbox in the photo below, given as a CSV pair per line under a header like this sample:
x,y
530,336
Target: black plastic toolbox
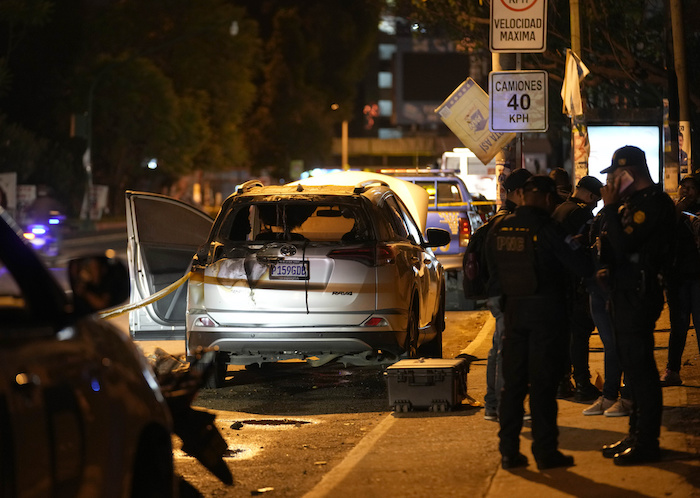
x,y
434,384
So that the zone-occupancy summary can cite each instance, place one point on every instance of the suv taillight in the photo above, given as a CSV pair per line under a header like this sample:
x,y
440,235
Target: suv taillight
x,y
378,255
465,231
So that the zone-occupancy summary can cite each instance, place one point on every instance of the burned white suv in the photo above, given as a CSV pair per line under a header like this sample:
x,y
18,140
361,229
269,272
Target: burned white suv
x,y
314,272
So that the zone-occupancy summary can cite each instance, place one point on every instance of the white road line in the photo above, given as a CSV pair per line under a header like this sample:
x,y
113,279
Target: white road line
x,y
481,336
343,469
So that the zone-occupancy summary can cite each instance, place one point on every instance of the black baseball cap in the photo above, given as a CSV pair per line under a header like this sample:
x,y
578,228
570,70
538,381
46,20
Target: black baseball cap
x,y
590,183
628,156
691,178
542,184
516,179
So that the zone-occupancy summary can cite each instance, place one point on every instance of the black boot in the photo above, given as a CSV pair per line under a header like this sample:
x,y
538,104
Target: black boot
x,y
610,450
514,461
585,391
638,454
566,388
554,460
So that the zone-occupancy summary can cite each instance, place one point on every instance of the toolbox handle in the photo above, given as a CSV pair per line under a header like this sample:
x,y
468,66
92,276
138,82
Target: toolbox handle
x,y
430,378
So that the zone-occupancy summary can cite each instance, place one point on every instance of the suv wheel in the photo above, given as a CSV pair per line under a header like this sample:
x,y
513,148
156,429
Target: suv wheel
x,y
217,377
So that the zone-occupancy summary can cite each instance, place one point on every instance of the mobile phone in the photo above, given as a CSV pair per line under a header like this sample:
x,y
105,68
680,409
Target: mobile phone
x,y
626,180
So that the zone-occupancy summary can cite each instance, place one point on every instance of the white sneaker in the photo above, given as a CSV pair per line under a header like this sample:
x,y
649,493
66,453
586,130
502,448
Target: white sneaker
x,y
621,408
600,406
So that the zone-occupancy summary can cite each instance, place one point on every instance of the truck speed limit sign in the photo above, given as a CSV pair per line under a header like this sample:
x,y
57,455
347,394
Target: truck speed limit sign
x,y
518,101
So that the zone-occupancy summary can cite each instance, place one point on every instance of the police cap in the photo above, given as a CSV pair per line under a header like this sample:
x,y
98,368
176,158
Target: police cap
x,y
542,184
694,179
628,156
516,179
590,183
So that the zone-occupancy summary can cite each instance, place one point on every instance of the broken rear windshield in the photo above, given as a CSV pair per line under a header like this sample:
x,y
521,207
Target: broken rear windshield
x,y
316,222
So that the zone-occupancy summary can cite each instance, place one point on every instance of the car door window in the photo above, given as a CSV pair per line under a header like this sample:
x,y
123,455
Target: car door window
x,y
448,193
409,223
398,220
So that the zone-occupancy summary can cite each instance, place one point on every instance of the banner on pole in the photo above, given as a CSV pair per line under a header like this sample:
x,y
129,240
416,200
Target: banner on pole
x,y
574,73
466,113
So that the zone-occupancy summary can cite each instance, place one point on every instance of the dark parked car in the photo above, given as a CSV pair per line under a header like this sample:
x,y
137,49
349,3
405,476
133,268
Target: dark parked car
x,y
81,412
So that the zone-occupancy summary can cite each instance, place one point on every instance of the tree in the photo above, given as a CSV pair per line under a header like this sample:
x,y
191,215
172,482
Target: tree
x,y
170,80
315,56
625,45
622,43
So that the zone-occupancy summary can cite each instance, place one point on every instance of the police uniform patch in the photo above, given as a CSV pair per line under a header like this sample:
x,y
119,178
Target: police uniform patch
x,y
639,217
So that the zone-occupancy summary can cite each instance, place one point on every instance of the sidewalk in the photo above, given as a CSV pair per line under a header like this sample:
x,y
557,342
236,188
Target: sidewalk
x,y
456,454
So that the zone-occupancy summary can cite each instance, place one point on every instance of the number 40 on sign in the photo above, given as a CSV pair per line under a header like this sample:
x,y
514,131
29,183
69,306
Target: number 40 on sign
x,y
518,101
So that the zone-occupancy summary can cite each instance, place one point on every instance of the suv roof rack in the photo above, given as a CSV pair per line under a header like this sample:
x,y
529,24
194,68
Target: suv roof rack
x,y
246,186
363,186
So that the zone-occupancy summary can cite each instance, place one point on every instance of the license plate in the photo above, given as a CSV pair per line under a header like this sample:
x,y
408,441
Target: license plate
x,y
289,270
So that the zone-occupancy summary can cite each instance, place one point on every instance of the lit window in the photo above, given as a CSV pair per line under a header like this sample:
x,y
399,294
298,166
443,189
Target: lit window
x,y
386,107
387,133
385,79
386,51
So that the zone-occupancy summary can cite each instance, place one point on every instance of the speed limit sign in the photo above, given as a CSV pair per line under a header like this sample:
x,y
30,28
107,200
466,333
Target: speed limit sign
x,y
518,101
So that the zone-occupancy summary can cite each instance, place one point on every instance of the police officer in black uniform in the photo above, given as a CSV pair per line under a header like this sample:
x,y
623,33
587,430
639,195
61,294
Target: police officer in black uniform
x,y
575,214
529,253
640,222
513,185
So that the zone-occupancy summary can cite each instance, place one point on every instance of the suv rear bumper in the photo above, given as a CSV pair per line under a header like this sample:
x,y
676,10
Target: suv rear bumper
x,y
276,344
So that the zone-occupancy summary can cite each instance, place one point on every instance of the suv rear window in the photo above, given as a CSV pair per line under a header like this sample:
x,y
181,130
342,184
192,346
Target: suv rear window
x,y
317,222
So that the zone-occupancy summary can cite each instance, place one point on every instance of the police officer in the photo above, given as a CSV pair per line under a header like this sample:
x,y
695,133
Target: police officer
x,y
513,185
683,279
563,182
575,214
529,254
640,222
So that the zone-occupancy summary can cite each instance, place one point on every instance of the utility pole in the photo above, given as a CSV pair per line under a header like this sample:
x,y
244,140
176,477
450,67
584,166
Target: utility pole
x,y
579,131
505,158
684,135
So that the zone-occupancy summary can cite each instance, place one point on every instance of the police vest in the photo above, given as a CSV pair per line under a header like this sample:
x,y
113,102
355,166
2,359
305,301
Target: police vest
x,y
515,257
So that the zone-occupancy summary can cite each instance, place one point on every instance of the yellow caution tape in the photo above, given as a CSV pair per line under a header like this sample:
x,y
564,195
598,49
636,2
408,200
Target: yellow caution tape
x,y
120,310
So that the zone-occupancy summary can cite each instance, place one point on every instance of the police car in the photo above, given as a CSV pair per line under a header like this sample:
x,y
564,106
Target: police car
x,y
450,206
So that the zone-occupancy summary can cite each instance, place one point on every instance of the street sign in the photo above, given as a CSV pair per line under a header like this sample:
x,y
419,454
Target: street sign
x,y
518,101
518,26
466,113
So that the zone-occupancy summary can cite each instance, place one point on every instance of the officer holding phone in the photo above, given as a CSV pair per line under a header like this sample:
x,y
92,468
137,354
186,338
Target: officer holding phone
x,y
640,221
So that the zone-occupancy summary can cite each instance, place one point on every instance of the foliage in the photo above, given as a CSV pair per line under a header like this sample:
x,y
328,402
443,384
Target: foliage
x,y
315,55
19,146
623,44
20,17
40,161
170,79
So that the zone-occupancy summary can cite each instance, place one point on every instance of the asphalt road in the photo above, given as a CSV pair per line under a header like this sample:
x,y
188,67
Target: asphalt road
x,y
288,424
294,431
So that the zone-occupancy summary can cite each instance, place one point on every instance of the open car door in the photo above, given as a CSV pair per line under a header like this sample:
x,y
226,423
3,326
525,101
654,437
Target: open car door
x,y
163,235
